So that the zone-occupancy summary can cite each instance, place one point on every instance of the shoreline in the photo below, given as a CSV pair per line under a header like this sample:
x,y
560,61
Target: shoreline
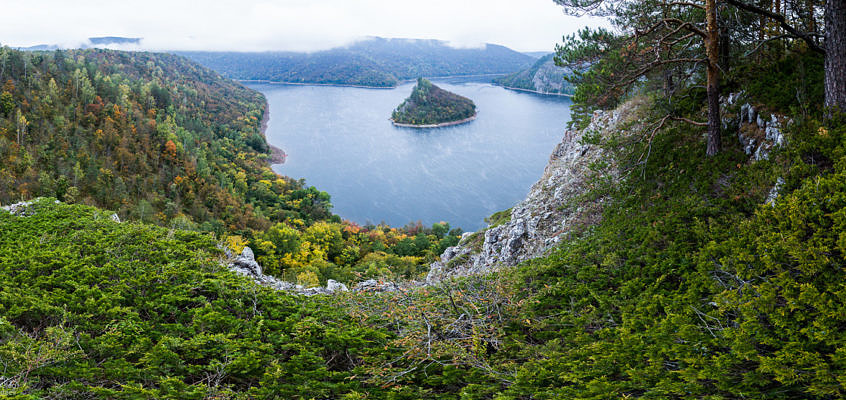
x,y
535,91
441,125
402,82
453,76
277,155
314,84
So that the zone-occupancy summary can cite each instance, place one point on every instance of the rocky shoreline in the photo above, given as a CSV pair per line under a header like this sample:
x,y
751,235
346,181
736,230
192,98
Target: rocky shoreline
x,y
536,91
277,155
441,125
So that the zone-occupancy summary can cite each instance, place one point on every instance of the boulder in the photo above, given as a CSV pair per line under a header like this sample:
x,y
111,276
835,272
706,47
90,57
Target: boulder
x,y
335,286
246,261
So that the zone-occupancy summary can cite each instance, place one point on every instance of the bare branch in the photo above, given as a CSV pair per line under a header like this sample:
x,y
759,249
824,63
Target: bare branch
x,y
683,3
689,121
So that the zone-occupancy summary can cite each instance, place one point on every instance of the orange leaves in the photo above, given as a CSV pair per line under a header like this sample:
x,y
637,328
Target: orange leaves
x,y
351,227
170,150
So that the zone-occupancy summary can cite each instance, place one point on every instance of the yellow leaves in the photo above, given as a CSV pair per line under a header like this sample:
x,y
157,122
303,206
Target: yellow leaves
x,y
308,279
295,204
235,243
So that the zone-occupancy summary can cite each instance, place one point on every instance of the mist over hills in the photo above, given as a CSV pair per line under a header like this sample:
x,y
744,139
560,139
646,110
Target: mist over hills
x,y
92,42
375,61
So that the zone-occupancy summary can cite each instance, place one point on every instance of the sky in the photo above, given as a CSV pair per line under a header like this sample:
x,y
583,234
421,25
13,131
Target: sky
x,y
294,25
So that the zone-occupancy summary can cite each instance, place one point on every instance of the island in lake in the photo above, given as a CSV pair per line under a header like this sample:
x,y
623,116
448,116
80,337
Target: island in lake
x,y
431,107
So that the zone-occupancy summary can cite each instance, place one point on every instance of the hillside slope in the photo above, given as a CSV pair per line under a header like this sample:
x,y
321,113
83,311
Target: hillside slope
x,y
556,207
542,77
93,308
695,268
374,62
153,136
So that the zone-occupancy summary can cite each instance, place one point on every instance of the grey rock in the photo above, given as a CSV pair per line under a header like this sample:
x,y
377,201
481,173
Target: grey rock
x,y
23,208
546,214
247,261
335,286
372,285
247,253
774,192
761,136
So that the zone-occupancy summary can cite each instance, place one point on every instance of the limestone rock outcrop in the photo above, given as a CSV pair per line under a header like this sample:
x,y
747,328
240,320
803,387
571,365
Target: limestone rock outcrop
x,y
245,264
759,133
552,210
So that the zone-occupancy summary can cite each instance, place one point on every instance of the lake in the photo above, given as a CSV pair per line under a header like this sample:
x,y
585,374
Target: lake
x,y
340,140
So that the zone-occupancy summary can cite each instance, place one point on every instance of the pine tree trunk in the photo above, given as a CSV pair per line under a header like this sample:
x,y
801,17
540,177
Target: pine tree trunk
x,y
835,55
725,49
712,50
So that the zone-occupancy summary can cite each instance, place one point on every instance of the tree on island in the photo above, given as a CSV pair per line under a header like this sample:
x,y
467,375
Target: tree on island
x,y
431,105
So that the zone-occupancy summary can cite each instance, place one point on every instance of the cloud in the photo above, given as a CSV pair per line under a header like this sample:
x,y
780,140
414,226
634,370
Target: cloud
x,y
299,25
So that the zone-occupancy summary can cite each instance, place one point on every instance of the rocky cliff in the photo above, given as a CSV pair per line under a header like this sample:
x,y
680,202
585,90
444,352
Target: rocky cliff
x,y
542,77
559,204
556,206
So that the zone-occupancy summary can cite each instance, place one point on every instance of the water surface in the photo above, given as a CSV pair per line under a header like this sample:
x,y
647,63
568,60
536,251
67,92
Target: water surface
x,y
340,140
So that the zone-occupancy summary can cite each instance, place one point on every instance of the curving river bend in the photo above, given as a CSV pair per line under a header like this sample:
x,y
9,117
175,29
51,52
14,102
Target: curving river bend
x,y
340,140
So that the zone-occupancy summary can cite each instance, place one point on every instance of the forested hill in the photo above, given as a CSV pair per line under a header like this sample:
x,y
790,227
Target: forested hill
x,y
374,62
160,139
154,137
543,76
431,105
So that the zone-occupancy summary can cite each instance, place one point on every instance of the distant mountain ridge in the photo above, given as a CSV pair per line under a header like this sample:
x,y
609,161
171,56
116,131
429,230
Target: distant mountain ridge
x,y
543,77
377,62
91,42
107,40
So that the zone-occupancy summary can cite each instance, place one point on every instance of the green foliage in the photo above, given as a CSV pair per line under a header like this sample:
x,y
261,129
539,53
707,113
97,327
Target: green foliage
x,y
788,83
593,56
499,218
349,253
165,141
689,287
152,136
94,308
430,105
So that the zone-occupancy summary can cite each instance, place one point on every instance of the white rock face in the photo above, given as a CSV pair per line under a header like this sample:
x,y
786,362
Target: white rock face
x,y
775,192
335,286
246,265
22,209
549,213
757,135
